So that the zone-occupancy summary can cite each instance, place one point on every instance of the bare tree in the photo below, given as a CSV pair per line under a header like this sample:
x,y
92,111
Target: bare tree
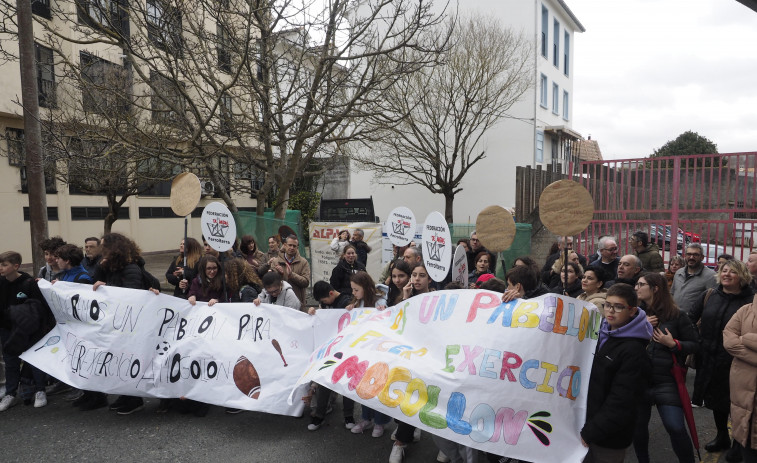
x,y
450,107
248,92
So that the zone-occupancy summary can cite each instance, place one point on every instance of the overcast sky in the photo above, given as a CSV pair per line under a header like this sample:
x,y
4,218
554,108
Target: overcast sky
x,y
648,70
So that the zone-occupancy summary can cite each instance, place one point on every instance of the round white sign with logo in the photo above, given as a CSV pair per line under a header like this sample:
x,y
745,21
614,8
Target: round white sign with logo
x,y
437,246
460,266
218,226
400,226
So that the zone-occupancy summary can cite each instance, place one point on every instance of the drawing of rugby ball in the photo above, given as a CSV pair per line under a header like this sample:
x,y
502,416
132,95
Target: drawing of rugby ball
x,y
246,378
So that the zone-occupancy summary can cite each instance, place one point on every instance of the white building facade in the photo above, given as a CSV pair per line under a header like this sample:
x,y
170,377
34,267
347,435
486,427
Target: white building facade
x,y
537,132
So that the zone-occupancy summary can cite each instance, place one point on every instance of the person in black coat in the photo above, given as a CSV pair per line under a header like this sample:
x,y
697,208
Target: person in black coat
x,y
24,319
121,266
361,247
178,272
347,266
573,287
714,310
674,336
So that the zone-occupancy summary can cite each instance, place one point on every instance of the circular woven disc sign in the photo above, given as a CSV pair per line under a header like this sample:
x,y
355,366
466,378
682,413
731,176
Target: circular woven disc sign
x,y
495,228
566,208
185,193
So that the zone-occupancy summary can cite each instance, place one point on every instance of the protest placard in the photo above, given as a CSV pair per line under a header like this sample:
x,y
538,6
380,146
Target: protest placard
x,y
507,378
324,259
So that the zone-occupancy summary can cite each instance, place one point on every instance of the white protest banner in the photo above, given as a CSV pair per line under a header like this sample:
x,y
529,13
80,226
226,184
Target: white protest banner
x,y
324,259
437,246
218,227
400,226
508,378
132,342
460,266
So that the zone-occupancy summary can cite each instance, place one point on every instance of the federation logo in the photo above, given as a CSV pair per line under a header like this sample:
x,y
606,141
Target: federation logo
x,y
218,228
400,227
435,247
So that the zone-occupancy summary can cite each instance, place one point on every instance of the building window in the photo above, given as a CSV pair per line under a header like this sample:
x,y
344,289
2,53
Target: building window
x,y
544,30
565,106
539,146
41,8
105,86
96,213
103,14
556,45
543,91
566,54
555,99
167,101
150,171
224,54
45,76
52,213
156,213
164,26
226,115
14,139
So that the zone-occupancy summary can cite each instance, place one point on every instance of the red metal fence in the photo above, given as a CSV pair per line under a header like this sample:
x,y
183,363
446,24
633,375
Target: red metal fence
x,y
711,199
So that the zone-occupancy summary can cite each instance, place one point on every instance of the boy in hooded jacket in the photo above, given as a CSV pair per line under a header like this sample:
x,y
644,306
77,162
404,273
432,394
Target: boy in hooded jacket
x,y
619,375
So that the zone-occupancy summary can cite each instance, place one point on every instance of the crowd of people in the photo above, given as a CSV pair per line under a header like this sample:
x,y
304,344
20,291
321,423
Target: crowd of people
x,y
654,320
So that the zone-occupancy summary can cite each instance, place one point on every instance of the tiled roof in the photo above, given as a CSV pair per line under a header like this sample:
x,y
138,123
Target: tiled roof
x,y
588,150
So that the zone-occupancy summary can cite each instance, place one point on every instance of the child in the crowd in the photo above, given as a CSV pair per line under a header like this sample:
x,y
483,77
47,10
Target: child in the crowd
x,y
50,271
619,377
209,285
21,306
340,242
277,292
399,277
419,282
365,295
329,298
69,258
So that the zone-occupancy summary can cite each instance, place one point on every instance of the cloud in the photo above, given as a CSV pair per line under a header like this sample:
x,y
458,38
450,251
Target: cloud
x,y
648,70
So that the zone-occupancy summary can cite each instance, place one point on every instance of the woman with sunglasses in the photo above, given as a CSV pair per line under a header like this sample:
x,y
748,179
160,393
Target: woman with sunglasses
x,y
674,337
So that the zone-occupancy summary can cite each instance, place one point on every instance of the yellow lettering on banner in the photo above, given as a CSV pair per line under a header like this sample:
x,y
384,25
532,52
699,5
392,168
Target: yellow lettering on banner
x,y
525,310
409,409
549,368
396,374
364,337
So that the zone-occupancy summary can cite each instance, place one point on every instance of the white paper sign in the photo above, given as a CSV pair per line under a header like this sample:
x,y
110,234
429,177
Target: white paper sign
x,y
132,342
437,246
508,378
400,226
324,259
218,226
460,266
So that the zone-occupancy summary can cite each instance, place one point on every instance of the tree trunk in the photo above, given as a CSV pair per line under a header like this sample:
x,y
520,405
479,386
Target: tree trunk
x,y
35,172
448,200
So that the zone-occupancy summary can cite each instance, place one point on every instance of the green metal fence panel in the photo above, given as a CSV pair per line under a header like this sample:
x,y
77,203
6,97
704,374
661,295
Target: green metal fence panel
x,y
261,227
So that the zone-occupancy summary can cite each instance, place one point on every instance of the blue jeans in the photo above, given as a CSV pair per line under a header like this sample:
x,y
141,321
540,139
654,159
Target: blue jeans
x,y
674,423
13,371
370,414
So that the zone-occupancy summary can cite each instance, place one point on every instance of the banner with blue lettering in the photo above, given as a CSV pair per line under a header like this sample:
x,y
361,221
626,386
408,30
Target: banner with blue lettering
x,y
132,342
507,378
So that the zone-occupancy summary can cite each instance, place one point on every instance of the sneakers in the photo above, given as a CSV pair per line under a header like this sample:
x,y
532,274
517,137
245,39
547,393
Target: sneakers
x,y
442,458
57,388
7,402
416,435
73,396
134,404
378,430
40,399
315,424
93,401
398,453
349,422
362,426
121,401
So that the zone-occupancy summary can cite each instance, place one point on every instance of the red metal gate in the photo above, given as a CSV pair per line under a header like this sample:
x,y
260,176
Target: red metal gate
x,y
710,199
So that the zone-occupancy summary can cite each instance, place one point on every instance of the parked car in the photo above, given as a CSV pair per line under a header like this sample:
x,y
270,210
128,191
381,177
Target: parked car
x,y
662,235
690,237
711,253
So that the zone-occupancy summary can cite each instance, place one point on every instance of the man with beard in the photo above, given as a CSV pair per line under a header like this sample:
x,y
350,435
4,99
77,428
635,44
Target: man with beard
x,y
691,281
